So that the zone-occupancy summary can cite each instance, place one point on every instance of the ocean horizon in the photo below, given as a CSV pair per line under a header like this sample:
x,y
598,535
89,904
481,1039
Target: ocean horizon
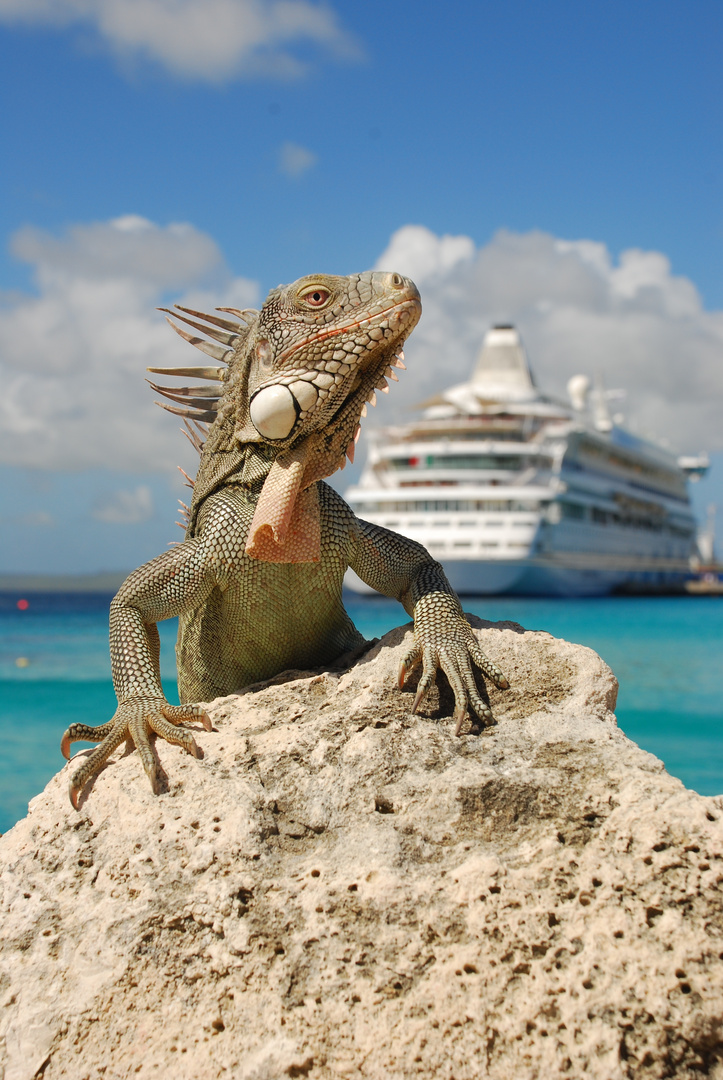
x,y
667,653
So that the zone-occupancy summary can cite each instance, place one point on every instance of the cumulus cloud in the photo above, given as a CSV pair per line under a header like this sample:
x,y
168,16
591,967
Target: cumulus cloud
x,y
73,357
215,40
33,519
124,507
630,320
294,160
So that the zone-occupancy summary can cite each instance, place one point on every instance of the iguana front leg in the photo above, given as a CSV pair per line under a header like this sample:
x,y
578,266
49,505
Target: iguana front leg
x,y
401,568
161,589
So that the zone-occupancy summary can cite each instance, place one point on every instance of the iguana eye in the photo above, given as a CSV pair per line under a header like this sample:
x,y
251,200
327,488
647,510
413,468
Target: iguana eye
x,y
316,297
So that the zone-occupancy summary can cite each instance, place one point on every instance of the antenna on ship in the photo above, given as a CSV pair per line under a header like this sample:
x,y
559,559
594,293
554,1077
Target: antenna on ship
x,y
578,388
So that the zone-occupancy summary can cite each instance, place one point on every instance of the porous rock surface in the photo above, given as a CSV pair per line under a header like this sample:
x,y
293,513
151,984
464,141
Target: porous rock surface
x,y
340,889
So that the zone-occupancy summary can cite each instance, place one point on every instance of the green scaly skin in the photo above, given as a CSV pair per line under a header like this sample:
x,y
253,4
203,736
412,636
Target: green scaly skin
x,y
243,619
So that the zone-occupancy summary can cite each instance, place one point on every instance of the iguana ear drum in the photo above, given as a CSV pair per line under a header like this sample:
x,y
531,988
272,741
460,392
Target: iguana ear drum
x,y
273,412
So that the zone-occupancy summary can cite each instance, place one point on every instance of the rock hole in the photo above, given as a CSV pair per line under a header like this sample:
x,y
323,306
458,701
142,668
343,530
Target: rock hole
x,y
195,824
552,919
596,883
618,934
587,983
651,914
244,896
679,974
495,889
218,1025
711,817
470,969
685,987
302,1069
661,846
560,838
383,805
352,888
316,873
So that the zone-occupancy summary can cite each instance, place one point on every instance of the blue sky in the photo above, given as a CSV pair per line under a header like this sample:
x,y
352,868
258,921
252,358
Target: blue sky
x,y
209,150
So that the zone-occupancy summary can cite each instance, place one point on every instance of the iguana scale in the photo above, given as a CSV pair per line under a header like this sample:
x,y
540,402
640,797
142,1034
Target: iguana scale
x,y
257,582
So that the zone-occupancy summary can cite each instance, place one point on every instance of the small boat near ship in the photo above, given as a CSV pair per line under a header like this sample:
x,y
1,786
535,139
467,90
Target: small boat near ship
x,y
517,493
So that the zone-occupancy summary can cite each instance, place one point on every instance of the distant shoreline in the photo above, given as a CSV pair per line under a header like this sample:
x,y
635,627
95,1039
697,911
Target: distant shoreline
x,y
107,581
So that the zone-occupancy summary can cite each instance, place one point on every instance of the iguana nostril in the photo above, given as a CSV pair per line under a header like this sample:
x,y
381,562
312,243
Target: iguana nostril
x,y
273,412
397,280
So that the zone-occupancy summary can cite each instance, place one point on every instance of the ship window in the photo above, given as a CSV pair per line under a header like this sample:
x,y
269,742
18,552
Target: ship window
x,y
467,524
462,543
506,462
494,504
576,510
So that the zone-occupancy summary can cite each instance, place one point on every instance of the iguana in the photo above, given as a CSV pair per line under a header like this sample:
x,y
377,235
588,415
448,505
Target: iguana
x,y
257,582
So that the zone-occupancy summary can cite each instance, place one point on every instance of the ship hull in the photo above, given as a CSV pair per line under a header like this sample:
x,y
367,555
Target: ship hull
x,y
527,577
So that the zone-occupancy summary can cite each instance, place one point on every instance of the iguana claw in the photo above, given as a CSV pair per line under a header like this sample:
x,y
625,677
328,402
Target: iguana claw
x,y
444,639
135,720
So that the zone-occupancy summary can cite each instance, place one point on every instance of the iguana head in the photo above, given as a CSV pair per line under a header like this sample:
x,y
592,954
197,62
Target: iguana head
x,y
299,375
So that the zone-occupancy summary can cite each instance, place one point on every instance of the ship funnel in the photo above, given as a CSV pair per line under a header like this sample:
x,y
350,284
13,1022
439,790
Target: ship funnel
x,y
578,388
502,370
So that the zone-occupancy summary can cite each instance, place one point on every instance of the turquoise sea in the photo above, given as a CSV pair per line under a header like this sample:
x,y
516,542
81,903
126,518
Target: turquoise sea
x,y
667,653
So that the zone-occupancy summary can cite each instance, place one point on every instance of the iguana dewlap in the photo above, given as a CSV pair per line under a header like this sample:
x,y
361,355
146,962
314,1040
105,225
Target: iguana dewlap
x,y
257,582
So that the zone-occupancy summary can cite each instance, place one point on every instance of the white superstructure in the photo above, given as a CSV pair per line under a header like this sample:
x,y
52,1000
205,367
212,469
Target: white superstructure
x,y
515,493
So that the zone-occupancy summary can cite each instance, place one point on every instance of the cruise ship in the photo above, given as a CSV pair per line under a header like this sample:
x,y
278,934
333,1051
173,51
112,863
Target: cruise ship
x,y
516,493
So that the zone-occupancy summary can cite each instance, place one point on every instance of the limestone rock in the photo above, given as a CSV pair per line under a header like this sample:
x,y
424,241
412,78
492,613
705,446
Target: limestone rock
x,y
339,889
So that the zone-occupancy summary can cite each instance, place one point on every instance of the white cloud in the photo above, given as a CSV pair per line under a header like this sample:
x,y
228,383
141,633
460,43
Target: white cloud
x,y
33,519
294,160
213,40
125,507
634,322
73,357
